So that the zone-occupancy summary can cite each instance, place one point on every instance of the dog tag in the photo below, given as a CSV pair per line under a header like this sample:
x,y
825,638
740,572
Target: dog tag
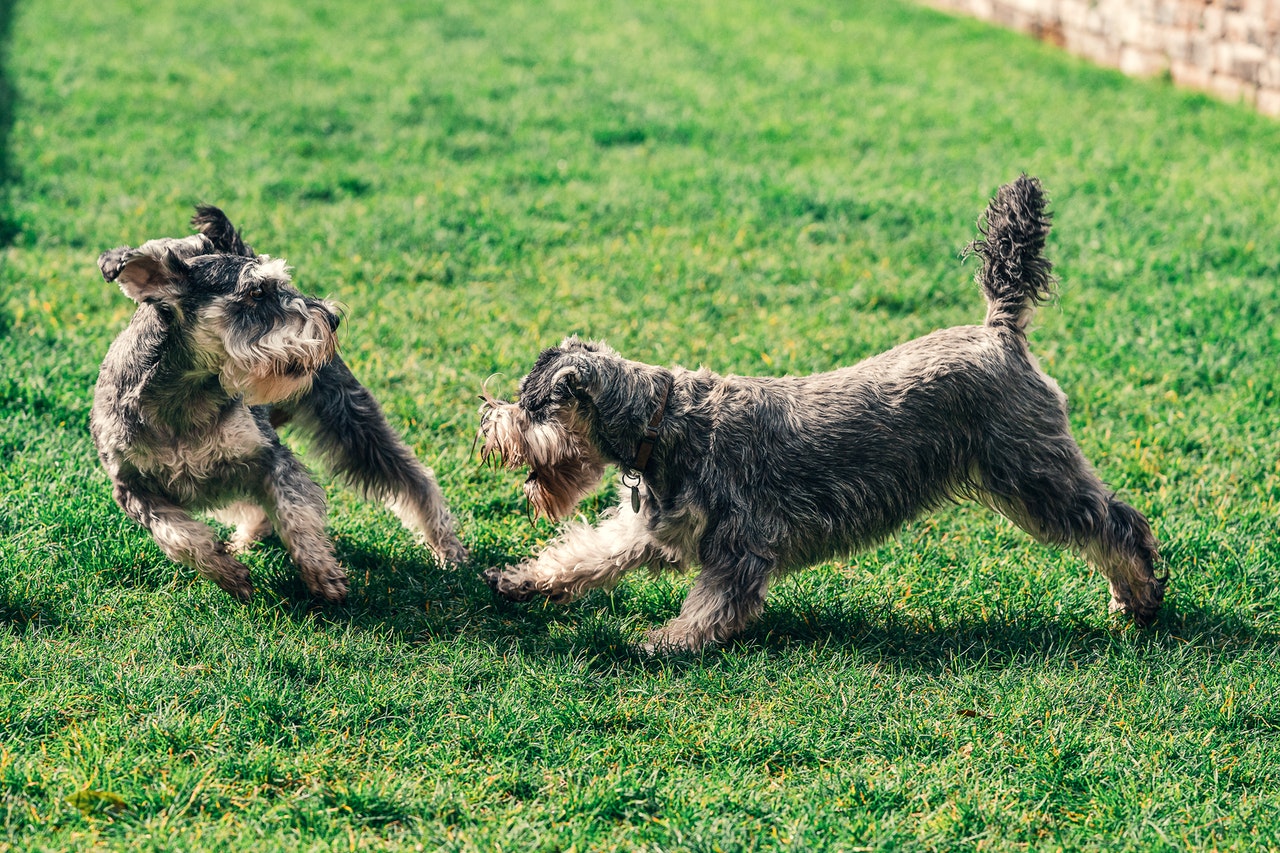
x,y
632,480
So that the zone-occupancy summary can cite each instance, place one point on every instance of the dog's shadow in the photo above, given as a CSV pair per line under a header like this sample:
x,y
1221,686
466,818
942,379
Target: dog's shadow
x,y
20,612
939,641
420,603
927,644
401,592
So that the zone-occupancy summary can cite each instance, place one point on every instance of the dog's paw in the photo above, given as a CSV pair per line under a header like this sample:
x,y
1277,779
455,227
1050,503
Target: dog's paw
x,y
236,583
453,553
331,588
509,586
668,641
239,545
1139,602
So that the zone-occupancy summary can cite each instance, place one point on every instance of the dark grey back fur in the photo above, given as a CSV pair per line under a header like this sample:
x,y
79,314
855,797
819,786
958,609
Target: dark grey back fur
x,y
805,468
750,476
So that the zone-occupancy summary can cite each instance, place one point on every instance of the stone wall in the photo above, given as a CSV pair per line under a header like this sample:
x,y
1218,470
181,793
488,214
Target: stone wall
x,y
1228,47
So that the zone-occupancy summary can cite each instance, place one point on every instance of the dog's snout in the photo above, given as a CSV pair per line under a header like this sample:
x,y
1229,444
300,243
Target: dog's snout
x,y
333,319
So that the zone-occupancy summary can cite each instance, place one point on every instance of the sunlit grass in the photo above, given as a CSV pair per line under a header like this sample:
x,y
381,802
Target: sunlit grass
x,y
759,187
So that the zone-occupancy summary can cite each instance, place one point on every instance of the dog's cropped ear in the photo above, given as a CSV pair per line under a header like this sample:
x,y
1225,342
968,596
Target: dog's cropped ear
x,y
556,378
148,277
576,375
214,224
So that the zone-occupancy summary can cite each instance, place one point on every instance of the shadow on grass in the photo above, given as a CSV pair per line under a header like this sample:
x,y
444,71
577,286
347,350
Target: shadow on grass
x,y
390,587
604,629
404,595
936,640
19,613
8,98
925,644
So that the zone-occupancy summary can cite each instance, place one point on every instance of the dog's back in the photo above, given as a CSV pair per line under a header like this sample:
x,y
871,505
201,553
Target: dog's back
x,y
861,449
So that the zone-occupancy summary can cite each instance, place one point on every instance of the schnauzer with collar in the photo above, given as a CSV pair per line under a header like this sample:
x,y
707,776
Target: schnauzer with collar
x,y
749,478
221,350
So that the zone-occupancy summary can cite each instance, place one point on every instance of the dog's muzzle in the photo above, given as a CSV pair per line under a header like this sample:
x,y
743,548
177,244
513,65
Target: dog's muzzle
x,y
501,429
562,468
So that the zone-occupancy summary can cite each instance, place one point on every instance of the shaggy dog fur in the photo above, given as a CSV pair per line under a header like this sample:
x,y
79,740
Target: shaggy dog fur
x,y
752,477
221,350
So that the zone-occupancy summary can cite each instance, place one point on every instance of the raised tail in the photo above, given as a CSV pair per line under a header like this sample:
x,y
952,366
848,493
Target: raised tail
x,y
1015,275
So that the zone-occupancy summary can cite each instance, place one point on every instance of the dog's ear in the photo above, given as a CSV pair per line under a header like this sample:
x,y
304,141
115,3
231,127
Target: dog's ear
x,y
148,276
577,366
577,374
112,261
557,377
214,224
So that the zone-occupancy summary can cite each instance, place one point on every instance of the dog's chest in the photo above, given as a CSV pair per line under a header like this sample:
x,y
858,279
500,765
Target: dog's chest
x,y
219,451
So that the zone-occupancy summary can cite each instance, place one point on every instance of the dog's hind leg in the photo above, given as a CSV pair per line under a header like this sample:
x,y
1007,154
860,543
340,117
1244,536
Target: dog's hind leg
x,y
250,522
352,435
584,558
1051,491
296,505
186,540
727,596
1124,549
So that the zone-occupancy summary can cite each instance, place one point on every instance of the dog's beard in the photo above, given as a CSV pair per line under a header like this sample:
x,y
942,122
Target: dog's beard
x,y
278,366
563,466
259,390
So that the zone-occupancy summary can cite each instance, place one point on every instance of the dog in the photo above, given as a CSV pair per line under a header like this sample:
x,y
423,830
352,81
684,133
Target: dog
x,y
221,350
750,478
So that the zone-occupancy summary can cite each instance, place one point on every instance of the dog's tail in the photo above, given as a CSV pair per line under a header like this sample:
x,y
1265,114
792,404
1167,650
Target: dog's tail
x,y
1015,275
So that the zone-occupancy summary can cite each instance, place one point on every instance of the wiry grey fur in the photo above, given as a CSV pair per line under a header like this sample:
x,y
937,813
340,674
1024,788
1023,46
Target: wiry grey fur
x,y
751,477
221,350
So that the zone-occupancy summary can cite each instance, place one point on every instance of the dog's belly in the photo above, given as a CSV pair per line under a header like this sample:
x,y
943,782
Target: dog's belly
x,y
206,467
843,520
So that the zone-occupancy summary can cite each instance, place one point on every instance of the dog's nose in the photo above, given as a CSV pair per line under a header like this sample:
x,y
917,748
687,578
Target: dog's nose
x,y
334,320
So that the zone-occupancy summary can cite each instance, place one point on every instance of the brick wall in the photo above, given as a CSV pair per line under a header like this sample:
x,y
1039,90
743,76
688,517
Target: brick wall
x,y
1228,47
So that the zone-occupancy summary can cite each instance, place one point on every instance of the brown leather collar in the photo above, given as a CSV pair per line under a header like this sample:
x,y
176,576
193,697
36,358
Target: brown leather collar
x,y
645,448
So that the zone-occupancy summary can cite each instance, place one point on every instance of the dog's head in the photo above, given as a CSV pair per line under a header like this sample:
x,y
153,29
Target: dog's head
x,y
237,313
581,407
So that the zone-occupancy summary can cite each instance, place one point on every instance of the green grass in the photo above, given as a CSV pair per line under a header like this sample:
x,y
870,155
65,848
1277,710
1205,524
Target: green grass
x,y
761,187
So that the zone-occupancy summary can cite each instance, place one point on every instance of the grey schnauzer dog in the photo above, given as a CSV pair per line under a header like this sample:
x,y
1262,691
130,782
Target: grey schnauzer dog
x,y
753,477
221,350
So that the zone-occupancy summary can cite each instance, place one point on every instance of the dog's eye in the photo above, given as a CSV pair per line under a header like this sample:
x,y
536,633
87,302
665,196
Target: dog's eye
x,y
257,293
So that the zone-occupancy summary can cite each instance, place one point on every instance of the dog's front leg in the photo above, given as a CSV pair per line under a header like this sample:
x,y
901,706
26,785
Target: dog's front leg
x,y
728,594
584,558
186,540
353,435
296,506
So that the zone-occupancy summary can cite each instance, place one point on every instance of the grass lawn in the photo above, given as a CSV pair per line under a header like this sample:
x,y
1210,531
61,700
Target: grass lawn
x,y
761,187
